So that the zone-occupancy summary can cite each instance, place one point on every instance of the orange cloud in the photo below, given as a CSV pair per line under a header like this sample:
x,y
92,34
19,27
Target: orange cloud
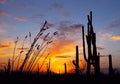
x,y
62,46
5,45
5,13
117,37
20,18
62,56
6,51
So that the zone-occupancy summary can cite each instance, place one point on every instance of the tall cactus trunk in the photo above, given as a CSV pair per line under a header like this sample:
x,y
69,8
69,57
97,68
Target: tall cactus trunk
x,y
110,65
97,64
48,67
88,68
77,60
65,68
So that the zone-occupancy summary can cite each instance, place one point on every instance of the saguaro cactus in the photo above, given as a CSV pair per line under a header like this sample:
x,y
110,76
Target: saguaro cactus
x,y
110,65
76,62
65,68
93,58
48,67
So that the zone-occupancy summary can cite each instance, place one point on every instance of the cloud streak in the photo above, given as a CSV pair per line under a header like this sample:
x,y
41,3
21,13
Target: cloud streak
x,y
114,24
14,17
5,13
66,29
20,19
5,45
56,6
117,37
62,56
22,48
100,48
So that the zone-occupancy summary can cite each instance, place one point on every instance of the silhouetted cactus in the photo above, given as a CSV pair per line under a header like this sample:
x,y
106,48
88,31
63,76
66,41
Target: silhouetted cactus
x,y
48,68
76,61
110,65
93,58
65,68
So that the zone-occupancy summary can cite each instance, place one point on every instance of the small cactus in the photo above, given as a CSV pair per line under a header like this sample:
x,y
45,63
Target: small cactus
x,y
65,68
110,65
48,67
76,62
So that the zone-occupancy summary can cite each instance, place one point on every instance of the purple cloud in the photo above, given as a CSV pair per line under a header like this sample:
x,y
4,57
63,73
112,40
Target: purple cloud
x,y
5,13
56,6
114,24
3,1
100,48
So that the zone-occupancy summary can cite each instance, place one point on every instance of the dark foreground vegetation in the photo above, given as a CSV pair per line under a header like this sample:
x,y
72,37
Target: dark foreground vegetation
x,y
18,78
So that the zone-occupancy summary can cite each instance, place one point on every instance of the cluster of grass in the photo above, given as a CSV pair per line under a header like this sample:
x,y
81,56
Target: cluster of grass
x,y
33,56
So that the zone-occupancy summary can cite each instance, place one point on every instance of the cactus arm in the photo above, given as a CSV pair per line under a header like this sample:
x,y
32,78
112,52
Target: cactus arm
x,y
74,62
84,52
91,16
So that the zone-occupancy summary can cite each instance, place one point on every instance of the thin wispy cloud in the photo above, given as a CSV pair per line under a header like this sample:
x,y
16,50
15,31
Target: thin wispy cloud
x,y
20,19
37,16
56,6
5,13
103,36
22,48
115,24
100,48
50,25
12,16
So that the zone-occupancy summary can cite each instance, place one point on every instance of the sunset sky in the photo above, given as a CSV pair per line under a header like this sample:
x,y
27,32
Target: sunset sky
x,y
19,17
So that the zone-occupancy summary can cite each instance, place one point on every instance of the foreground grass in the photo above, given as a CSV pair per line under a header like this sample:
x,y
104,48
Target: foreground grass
x,y
18,78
